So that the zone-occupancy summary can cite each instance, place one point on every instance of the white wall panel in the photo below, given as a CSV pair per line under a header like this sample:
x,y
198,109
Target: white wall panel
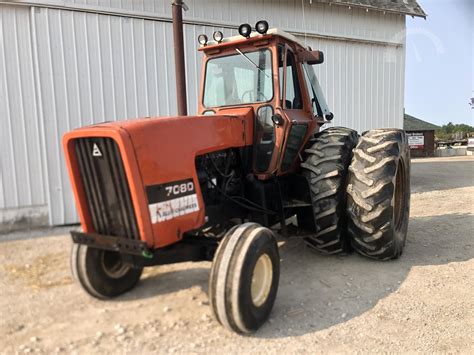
x,y
94,67
21,175
319,18
363,83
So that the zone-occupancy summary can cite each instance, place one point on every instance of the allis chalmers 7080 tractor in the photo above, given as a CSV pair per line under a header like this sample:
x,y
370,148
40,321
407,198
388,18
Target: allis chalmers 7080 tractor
x,y
220,185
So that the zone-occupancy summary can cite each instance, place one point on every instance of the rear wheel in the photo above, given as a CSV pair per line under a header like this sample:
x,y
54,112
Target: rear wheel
x,y
244,278
325,168
379,194
102,273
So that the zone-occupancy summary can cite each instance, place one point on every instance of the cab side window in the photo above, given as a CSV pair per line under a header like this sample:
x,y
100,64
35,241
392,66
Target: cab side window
x,y
281,63
293,92
317,111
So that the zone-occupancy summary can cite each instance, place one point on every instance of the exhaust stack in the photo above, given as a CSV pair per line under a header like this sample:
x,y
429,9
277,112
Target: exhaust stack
x,y
178,6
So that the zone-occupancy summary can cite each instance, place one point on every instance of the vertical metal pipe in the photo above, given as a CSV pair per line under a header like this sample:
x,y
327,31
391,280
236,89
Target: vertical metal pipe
x,y
177,7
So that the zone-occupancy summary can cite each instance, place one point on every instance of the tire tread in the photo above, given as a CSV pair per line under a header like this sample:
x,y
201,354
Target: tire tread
x,y
370,192
325,168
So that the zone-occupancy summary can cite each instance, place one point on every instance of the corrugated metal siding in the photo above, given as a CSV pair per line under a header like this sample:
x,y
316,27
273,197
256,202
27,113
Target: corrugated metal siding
x,y
320,18
94,67
21,175
363,83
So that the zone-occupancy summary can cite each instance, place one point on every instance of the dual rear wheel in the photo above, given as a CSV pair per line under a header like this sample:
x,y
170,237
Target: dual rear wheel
x,y
378,202
325,168
360,188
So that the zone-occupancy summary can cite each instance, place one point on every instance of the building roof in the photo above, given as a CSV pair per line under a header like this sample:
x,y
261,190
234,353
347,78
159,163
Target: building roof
x,y
406,7
411,123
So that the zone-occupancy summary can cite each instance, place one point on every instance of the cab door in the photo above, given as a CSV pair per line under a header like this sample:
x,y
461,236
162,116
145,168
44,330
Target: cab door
x,y
296,112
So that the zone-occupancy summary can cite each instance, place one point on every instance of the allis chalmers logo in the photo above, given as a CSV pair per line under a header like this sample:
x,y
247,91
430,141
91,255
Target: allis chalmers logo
x,y
96,151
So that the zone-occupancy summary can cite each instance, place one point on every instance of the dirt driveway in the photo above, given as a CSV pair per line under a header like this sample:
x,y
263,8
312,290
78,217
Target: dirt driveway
x,y
422,302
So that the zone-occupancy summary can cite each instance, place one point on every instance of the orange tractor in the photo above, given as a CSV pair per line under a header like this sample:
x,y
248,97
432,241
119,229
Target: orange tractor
x,y
218,186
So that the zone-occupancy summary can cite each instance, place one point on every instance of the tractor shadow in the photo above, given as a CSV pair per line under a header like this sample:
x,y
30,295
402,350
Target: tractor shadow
x,y
162,280
317,292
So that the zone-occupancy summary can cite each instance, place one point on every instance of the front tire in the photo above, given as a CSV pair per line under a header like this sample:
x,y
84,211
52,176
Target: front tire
x,y
244,278
102,273
378,190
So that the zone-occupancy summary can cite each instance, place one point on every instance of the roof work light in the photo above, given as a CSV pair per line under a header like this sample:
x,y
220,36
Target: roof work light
x,y
245,30
261,27
218,36
202,39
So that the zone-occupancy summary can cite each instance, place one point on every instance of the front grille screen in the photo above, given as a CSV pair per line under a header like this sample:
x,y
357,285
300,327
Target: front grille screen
x,y
106,187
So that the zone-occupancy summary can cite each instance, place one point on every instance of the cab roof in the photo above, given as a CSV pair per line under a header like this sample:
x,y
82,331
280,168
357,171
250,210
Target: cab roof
x,y
254,35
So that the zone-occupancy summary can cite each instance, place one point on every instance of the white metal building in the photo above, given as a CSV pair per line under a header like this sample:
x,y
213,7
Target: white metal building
x,y
65,64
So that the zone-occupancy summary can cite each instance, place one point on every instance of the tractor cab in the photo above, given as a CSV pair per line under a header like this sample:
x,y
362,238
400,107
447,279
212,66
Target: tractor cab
x,y
270,72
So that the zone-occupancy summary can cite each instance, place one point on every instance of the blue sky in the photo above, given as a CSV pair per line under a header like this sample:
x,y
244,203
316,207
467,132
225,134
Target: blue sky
x,y
440,62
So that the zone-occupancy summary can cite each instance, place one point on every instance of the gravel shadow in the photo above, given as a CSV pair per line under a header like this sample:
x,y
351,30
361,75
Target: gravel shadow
x,y
317,292
161,283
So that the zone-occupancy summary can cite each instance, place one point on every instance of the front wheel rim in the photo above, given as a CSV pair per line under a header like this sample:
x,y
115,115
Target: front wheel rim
x,y
112,264
261,280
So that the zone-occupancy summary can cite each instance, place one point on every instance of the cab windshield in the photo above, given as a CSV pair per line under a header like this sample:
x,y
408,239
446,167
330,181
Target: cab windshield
x,y
243,78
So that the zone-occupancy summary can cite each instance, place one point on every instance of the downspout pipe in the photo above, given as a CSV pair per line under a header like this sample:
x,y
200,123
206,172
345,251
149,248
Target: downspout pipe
x,y
177,7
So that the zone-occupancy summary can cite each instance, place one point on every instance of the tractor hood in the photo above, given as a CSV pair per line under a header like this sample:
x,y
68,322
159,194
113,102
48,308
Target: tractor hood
x,y
148,162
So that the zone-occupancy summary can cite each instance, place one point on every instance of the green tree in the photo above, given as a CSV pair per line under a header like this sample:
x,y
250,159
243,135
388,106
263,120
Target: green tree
x,y
447,131
449,128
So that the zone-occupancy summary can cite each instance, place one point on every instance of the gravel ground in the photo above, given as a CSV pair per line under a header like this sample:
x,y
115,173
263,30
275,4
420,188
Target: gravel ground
x,y
422,302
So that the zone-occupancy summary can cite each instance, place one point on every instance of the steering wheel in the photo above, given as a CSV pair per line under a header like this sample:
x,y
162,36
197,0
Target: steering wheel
x,y
249,92
259,95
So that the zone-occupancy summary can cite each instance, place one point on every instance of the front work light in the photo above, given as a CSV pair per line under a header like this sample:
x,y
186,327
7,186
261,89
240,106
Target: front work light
x,y
261,27
202,39
218,36
245,30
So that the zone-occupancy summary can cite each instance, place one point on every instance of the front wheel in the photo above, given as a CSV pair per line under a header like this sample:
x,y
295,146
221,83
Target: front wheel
x,y
244,278
102,273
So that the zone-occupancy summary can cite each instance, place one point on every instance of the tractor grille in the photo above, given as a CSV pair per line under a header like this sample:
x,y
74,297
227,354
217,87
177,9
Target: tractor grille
x,y
106,187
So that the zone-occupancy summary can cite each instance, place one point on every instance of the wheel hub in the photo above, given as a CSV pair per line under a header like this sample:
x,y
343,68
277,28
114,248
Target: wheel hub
x,y
261,280
113,265
400,200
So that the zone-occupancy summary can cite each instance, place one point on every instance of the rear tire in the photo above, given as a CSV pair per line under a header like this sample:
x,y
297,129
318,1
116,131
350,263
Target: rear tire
x,y
378,190
244,278
102,273
325,168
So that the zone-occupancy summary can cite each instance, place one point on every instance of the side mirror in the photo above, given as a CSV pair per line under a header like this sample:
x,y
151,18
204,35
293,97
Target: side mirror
x,y
311,57
277,119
